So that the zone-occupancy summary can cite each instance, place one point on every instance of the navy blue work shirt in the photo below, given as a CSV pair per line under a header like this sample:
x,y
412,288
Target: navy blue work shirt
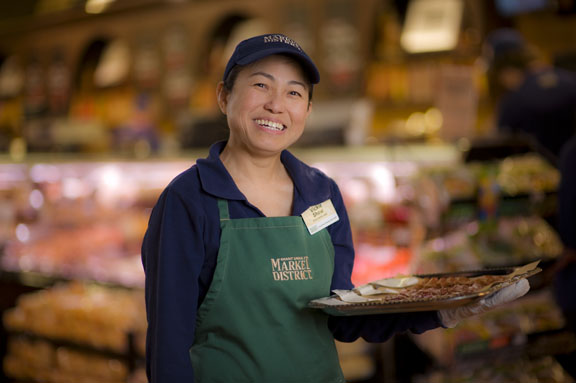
x,y
180,249
567,195
565,283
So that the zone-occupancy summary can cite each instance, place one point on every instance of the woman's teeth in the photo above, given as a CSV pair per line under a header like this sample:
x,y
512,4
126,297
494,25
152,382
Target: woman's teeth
x,y
270,124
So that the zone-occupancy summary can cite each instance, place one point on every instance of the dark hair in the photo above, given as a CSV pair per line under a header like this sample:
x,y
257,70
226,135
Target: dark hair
x,y
230,80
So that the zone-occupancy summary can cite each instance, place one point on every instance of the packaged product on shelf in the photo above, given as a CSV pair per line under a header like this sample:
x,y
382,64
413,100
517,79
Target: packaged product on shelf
x,y
525,370
79,220
513,240
449,253
485,348
454,183
516,239
88,315
91,252
532,314
516,185
42,361
528,173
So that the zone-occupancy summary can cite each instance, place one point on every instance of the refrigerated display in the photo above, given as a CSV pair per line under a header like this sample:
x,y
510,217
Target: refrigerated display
x,y
80,222
73,230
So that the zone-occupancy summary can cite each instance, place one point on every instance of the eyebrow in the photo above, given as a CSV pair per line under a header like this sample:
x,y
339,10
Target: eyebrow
x,y
269,76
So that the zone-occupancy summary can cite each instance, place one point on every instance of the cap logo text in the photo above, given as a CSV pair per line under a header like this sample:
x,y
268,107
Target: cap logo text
x,y
281,39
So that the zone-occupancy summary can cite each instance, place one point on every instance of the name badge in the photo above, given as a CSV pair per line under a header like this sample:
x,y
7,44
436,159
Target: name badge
x,y
319,216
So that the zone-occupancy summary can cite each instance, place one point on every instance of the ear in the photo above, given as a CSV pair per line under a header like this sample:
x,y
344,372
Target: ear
x,y
222,96
309,109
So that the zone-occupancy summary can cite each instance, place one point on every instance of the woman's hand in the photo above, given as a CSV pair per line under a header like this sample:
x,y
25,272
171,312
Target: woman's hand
x,y
451,317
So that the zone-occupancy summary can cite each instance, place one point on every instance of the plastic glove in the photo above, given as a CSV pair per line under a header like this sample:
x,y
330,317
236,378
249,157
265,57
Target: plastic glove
x,y
451,317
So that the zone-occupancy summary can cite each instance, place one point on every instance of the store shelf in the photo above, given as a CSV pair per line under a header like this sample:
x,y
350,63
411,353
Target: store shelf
x,y
515,346
131,355
55,332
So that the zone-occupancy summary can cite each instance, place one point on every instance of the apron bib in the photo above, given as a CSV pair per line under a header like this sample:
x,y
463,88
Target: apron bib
x,y
253,325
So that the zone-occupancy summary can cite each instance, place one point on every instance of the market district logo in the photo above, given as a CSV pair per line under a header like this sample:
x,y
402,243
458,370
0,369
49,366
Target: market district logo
x,y
291,269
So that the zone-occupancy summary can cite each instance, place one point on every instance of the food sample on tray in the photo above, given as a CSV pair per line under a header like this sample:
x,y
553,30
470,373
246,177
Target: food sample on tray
x,y
421,292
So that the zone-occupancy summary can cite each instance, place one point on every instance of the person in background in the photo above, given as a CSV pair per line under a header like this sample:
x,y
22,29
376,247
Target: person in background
x,y
564,270
533,99
230,262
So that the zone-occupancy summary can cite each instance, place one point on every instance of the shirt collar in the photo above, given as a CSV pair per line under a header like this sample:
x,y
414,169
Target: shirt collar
x,y
214,177
307,182
217,181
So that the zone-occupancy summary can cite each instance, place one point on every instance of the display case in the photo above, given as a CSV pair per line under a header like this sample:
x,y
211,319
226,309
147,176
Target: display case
x,y
71,236
81,220
85,219
70,267
487,214
72,228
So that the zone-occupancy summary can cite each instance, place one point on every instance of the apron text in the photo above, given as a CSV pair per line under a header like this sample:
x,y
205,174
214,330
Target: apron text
x,y
291,269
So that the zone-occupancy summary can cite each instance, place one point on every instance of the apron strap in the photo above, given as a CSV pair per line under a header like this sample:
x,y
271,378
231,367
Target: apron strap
x,y
223,209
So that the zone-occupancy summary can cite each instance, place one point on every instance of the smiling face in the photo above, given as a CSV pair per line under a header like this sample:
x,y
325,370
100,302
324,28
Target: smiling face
x,y
267,106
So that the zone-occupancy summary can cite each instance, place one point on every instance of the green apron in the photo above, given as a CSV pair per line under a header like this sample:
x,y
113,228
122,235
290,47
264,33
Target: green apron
x,y
253,325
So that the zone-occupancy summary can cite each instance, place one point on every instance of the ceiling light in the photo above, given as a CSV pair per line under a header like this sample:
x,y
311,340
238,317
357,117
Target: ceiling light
x,y
97,6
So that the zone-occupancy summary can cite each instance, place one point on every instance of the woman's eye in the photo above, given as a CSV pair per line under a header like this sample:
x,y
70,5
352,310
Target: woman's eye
x,y
295,93
260,85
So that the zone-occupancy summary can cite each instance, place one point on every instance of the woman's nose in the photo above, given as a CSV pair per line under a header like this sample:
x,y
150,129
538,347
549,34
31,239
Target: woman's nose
x,y
274,103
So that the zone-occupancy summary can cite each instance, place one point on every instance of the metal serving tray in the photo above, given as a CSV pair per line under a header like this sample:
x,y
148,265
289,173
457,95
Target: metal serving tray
x,y
334,306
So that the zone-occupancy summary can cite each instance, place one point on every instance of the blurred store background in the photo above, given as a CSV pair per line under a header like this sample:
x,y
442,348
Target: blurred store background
x,y
103,102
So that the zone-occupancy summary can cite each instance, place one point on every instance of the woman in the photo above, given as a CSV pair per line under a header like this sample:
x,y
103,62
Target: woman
x,y
230,262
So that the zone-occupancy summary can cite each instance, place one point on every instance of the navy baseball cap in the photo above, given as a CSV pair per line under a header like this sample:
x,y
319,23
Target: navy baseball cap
x,y
259,47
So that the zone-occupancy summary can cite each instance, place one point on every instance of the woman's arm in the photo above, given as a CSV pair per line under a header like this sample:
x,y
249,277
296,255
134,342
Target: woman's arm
x,y
172,255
